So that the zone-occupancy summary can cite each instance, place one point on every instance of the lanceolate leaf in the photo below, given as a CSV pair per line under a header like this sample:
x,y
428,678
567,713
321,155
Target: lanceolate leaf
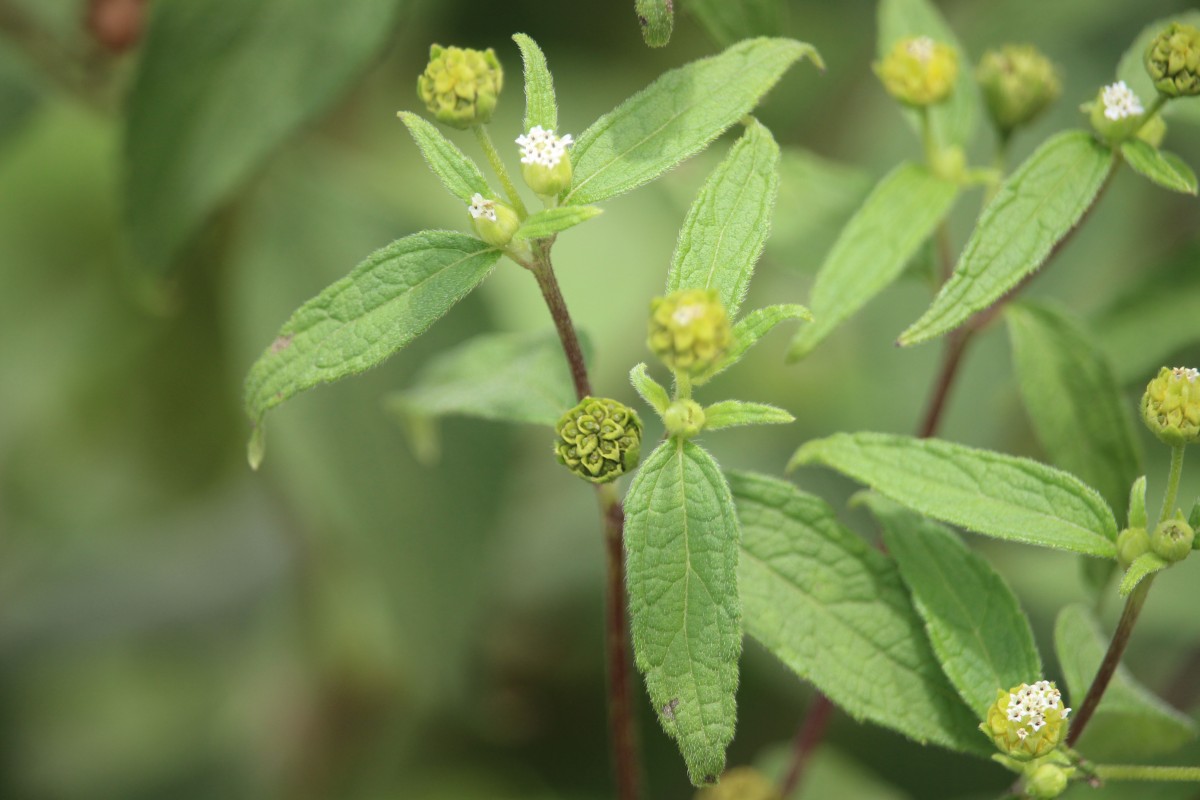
x,y
357,322
729,413
1142,567
1130,721
1078,411
554,220
676,116
650,390
728,224
1166,169
1036,207
681,539
754,326
454,169
975,625
219,85
982,491
540,106
728,22
874,247
836,613
953,121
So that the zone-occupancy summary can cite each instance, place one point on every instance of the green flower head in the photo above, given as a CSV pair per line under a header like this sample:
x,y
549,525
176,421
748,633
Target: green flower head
x,y
599,440
919,71
1018,82
1028,721
689,330
1173,60
460,86
1171,406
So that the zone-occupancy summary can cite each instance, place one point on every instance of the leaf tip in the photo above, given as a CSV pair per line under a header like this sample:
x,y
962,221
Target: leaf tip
x,y
256,448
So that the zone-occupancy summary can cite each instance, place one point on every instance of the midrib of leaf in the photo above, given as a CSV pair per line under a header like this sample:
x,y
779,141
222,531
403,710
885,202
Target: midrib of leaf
x,y
712,266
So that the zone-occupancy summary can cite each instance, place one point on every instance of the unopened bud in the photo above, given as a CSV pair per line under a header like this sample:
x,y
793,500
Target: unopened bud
x,y
599,440
689,330
684,418
1131,543
919,71
1018,82
1172,539
1173,60
1171,406
460,86
1048,781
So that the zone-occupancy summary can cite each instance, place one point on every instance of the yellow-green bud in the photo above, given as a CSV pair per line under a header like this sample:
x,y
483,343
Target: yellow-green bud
x,y
684,418
493,221
1027,721
1018,82
741,783
545,162
1172,539
689,330
1116,113
1048,781
1131,543
1173,60
599,440
460,86
1171,406
919,71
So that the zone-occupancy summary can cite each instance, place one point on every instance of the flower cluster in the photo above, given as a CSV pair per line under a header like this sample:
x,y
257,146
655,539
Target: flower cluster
x,y
542,147
1028,721
482,208
1030,703
599,439
1173,60
919,71
1120,101
460,86
1171,406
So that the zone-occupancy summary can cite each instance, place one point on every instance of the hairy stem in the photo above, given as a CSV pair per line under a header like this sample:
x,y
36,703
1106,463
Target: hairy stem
x,y
485,143
1112,659
952,356
543,271
808,736
1169,499
1135,772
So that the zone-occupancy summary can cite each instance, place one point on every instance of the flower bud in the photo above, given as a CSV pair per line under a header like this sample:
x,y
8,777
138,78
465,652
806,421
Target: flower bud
x,y
1172,539
741,783
545,163
689,330
1027,721
1018,82
1173,60
1131,543
599,440
1171,406
493,221
1116,113
460,86
1048,781
919,71
684,418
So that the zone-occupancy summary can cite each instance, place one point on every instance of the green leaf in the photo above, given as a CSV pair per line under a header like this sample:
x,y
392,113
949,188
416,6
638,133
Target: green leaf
x,y
982,491
1132,69
874,247
727,226
681,541
457,172
19,96
677,116
1137,503
219,86
975,624
753,327
1166,169
728,22
540,105
1130,721
506,377
1142,567
1036,207
729,413
835,612
357,322
650,390
953,122
1071,395
551,221
657,18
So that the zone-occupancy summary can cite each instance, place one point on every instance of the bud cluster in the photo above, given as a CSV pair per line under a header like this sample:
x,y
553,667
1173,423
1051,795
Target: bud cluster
x,y
1018,82
1027,721
689,330
1173,60
918,71
599,439
1171,406
460,86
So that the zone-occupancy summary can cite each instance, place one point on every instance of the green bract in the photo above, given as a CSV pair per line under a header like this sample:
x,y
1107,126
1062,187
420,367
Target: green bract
x,y
460,86
599,440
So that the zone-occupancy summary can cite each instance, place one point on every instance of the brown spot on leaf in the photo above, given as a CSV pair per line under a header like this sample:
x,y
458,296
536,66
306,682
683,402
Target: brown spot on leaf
x,y
281,343
668,710
643,21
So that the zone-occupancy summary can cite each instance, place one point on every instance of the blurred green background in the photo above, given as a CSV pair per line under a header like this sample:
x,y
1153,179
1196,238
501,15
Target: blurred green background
x,y
349,622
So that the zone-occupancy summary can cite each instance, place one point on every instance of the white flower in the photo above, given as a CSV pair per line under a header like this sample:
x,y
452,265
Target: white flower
x,y
543,147
921,48
1120,101
1185,372
482,207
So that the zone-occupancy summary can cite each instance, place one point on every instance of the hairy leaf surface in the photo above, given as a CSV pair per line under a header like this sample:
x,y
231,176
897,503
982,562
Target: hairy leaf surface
x,y
550,221
457,172
1166,169
540,106
729,413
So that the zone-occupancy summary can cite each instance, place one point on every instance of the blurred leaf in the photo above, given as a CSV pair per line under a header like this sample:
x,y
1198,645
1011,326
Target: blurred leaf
x,y
1130,722
1072,398
728,22
953,122
359,321
836,613
650,390
731,413
219,86
657,18
681,541
1132,69
816,196
550,221
506,377
676,117
457,172
976,627
980,490
751,328
874,247
1038,205
1137,503
725,229
1166,169
1142,567
541,108
19,97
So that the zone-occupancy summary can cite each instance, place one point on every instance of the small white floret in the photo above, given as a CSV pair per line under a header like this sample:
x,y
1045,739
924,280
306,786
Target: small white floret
x,y
1120,101
482,207
542,147
1187,373
921,48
